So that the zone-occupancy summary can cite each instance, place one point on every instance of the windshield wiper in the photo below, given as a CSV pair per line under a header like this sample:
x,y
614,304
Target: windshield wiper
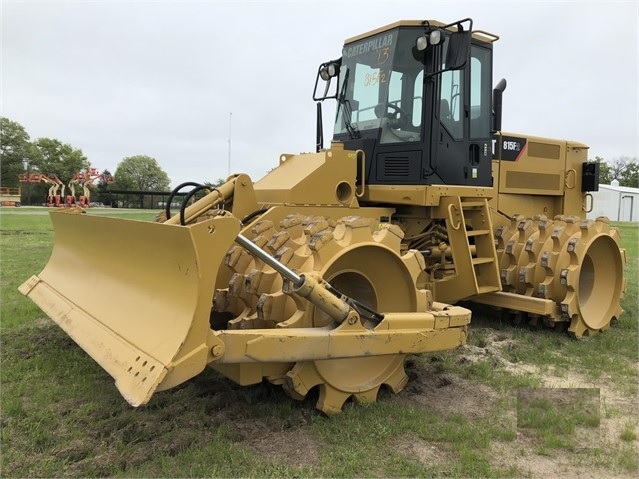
x,y
353,131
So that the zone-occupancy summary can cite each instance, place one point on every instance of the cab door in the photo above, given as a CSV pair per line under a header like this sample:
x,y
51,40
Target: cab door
x,y
462,136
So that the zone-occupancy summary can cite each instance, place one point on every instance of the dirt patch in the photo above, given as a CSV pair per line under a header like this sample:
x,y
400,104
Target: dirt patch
x,y
616,410
517,453
295,446
446,393
522,454
73,451
587,400
428,453
492,347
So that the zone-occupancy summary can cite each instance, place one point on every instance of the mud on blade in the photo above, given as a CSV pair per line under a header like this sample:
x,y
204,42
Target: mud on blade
x,y
135,295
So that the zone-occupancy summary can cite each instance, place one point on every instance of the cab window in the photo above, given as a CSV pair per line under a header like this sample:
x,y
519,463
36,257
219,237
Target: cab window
x,y
480,93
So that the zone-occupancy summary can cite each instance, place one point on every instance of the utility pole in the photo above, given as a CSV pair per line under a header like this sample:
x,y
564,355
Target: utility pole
x,y
230,117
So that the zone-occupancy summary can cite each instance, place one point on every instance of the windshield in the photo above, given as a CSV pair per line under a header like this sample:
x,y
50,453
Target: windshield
x,y
381,85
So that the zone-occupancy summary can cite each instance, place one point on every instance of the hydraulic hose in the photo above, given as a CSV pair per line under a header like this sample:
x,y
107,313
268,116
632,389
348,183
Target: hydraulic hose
x,y
175,192
186,200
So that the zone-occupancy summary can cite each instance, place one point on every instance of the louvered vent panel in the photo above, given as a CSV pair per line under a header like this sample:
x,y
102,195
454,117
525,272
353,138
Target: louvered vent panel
x,y
396,167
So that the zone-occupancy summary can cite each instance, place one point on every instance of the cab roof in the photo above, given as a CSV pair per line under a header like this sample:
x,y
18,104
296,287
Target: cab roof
x,y
479,35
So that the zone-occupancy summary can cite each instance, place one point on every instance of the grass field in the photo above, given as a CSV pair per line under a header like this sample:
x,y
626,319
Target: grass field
x,y
517,401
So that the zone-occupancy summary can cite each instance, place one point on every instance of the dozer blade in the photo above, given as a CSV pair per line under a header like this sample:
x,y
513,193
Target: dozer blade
x,y
136,296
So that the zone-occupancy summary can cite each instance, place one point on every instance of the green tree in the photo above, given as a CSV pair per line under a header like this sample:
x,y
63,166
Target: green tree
x,y
104,195
141,173
604,171
624,169
52,157
218,182
617,167
630,175
15,151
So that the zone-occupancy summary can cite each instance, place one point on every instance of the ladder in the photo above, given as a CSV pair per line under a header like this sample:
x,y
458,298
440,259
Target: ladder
x,y
474,258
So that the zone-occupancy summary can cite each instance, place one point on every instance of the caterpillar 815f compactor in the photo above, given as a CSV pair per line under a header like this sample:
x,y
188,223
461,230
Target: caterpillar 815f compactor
x,y
338,264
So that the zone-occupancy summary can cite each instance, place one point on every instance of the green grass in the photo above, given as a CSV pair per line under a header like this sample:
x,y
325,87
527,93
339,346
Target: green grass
x,y
628,433
613,355
555,414
62,416
25,245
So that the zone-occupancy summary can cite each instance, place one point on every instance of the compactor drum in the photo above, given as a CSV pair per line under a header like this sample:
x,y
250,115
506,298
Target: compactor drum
x,y
336,265
359,262
575,264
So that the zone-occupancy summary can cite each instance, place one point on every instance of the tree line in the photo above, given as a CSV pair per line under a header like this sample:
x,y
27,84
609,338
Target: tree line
x,y
625,170
19,155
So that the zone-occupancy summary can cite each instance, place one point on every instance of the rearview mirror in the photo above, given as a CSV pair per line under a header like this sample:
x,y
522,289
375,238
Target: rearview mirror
x,y
325,74
458,50
457,46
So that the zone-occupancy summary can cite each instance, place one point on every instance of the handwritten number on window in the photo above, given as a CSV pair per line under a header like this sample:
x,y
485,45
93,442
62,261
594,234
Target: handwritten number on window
x,y
375,78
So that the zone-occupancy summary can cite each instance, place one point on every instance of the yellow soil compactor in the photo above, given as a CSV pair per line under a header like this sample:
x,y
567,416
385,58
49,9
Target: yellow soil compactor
x,y
338,264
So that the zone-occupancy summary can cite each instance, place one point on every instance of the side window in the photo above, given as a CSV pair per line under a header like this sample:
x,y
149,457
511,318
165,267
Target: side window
x,y
412,87
403,118
417,99
480,91
450,103
395,89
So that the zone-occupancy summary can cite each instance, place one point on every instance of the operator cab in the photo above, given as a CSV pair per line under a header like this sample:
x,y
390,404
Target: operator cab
x,y
415,97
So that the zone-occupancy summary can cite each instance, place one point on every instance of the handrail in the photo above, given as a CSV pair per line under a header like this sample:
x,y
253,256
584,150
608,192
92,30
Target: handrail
x,y
360,154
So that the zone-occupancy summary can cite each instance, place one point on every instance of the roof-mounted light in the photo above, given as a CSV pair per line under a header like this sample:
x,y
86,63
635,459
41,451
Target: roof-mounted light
x,y
421,43
328,71
435,37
